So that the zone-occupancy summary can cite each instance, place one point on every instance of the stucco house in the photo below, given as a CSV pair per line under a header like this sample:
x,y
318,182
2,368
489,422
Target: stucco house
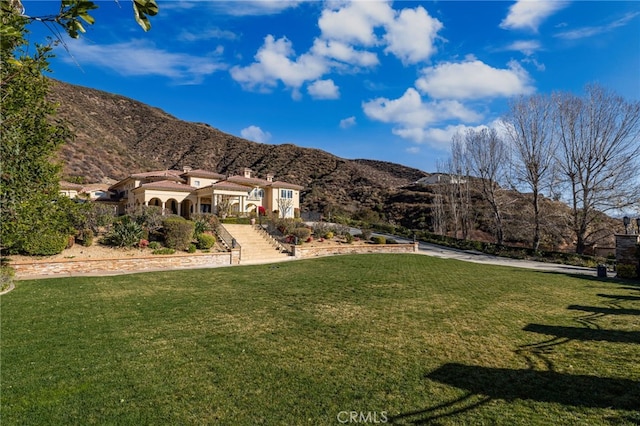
x,y
189,191
91,191
440,178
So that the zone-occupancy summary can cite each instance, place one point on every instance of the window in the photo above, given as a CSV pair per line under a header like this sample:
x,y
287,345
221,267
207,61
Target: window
x,y
286,193
196,183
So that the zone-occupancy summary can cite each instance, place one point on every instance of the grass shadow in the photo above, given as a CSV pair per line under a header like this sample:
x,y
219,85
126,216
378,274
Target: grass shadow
x,y
583,334
604,311
466,402
619,296
542,386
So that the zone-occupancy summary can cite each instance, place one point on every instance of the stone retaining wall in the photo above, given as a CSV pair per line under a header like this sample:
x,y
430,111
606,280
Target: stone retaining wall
x,y
71,267
74,267
302,252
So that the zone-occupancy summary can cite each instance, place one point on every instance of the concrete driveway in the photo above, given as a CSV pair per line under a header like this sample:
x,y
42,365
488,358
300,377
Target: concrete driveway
x,y
479,257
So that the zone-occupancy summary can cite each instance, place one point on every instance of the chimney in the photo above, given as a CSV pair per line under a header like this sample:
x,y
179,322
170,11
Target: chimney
x,y
247,172
186,169
269,177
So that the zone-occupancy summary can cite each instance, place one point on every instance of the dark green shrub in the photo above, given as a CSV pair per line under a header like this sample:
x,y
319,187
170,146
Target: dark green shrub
x,y
205,241
178,233
391,241
154,245
236,220
124,233
348,238
164,251
328,235
44,244
192,248
378,239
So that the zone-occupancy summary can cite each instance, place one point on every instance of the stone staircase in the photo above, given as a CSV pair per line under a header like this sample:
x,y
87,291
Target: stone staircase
x,y
255,246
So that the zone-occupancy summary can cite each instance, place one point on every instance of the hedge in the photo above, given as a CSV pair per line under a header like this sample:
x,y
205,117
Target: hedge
x,y
178,233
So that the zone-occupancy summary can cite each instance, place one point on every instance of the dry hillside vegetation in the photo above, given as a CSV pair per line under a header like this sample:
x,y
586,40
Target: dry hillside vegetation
x,y
116,136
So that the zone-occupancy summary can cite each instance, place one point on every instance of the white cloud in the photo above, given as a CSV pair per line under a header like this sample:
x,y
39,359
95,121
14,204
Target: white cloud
x,y
413,150
343,52
324,89
586,32
207,34
528,47
142,57
255,133
345,123
474,79
436,137
411,35
412,116
528,14
250,7
273,64
348,29
355,22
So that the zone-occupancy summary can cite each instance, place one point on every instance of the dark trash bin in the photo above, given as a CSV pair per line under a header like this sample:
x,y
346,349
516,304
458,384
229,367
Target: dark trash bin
x,y
602,271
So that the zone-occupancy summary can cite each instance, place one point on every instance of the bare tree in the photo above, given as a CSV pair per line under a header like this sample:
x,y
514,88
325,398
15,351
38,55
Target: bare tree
x,y
487,157
459,183
284,206
444,191
600,139
438,212
223,206
528,126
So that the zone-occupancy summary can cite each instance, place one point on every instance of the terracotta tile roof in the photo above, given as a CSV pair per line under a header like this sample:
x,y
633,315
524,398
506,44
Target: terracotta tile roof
x,y
166,185
96,187
204,174
230,186
158,173
248,181
285,185
69,185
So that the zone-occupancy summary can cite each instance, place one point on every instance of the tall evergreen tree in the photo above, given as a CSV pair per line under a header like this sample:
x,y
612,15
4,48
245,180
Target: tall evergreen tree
x,y
29,138
34,217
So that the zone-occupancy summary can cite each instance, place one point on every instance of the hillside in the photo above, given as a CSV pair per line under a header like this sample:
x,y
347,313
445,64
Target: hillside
x,y
116,136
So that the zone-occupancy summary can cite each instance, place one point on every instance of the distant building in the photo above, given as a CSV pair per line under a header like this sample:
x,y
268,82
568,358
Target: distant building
x,y
440,178
93,191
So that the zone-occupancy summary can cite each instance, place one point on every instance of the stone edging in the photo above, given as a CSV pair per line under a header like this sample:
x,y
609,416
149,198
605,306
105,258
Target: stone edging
x,y
11,287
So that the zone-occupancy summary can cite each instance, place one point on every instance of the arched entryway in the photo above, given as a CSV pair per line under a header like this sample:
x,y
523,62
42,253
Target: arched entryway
x,y
172,206
187,209
155,202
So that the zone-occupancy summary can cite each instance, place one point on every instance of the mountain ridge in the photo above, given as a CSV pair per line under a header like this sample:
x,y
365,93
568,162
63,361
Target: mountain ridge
x,y
117,136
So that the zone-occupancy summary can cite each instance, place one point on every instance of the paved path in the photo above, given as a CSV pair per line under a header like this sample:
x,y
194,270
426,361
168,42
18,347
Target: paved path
x,y
479,257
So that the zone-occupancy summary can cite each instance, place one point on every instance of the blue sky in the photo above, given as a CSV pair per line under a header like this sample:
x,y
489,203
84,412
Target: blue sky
x,y
380,80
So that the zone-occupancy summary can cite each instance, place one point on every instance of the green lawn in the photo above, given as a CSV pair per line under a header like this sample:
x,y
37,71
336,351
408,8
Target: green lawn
x,y
404,338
